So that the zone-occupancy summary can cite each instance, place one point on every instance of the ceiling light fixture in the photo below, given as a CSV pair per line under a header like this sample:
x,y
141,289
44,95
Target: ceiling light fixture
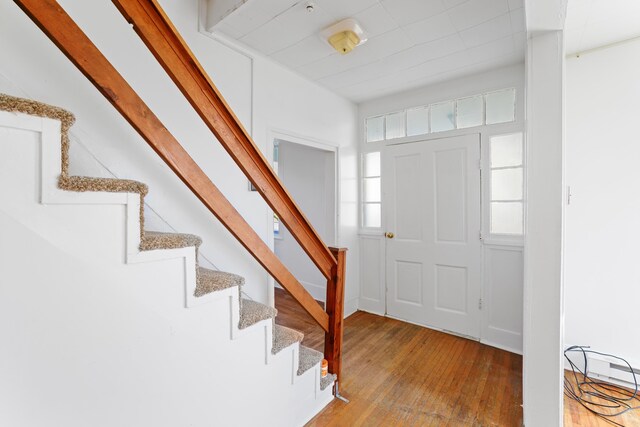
x,y
344,36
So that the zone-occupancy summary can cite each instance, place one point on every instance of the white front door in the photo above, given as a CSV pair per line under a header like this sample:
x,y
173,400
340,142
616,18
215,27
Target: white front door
x,y
431,194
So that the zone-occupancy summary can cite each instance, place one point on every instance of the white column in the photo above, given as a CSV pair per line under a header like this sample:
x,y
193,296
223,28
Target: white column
x,y
543,294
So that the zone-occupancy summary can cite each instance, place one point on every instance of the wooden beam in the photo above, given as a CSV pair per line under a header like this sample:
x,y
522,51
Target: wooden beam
x,y
164,41
334,306
71,40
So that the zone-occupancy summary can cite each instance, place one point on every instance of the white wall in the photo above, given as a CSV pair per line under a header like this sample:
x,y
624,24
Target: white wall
x,y
602,279
309,175
502,271
264,95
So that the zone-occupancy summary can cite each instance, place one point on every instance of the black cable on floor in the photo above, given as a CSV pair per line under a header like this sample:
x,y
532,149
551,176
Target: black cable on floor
x,y
598,397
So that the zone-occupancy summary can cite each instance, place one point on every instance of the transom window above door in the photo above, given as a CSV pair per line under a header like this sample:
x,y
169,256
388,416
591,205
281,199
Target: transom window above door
x,y
483,109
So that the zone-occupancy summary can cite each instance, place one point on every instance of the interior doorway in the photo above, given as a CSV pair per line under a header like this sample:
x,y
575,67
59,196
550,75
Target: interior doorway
x,y
309,172
432,200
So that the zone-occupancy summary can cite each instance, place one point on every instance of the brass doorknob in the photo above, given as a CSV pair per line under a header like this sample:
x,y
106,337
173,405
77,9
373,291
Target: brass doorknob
x,y
389,235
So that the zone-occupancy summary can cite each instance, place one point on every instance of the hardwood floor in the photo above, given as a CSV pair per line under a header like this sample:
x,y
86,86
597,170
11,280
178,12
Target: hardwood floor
x,y
396,373
577,416
399,374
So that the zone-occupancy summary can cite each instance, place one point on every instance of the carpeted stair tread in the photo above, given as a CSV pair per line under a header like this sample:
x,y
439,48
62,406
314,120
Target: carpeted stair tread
x,y
327,381
252,312
214,280
308,359
152,240
283,337
111,185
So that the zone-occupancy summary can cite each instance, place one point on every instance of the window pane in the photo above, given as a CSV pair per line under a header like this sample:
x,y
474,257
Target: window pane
x,y
501,106
395,125
506,184
442,117
375,129
506,218
469,112
506,150
372,164
371,215
372,189
418,121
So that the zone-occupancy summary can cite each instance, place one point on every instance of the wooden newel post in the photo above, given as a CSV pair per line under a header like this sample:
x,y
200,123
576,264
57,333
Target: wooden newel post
x,y
334,307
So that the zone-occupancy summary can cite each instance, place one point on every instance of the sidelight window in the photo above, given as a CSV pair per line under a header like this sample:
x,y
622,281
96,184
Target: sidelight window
x,y
507,184
371,191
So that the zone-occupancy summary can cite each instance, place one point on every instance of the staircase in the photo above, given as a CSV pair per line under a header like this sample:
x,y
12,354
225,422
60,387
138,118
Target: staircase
x,y
107,323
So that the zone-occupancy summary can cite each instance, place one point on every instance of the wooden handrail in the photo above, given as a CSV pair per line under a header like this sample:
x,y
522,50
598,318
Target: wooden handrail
x,y
73,42
172,52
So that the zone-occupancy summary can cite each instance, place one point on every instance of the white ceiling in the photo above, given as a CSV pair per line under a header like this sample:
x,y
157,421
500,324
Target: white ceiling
x,y
595,23
411,42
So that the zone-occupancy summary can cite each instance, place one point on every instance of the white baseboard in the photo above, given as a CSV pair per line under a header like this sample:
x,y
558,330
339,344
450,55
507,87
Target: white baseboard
x,y
371,306
350,307
501,347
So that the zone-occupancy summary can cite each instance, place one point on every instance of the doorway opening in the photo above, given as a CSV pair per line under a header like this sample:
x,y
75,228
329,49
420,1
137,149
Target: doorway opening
x,y
308,170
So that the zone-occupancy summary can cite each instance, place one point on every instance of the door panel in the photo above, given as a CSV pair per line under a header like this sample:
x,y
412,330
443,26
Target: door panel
x,y
407,173
431,194
410,274
451,194
451,285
